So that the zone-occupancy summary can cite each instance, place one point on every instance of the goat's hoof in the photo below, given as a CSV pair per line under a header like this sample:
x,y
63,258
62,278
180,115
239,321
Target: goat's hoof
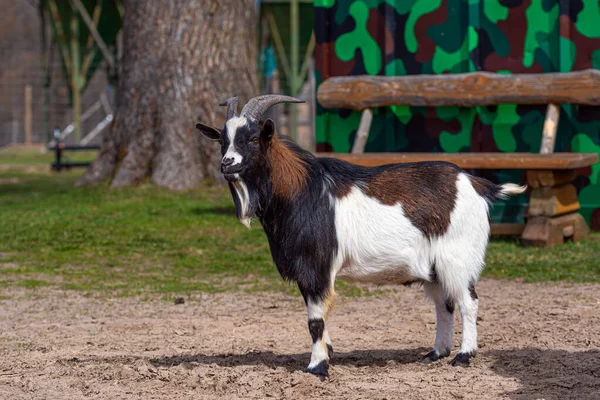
x,y
433,356
320,370
462,360
329,350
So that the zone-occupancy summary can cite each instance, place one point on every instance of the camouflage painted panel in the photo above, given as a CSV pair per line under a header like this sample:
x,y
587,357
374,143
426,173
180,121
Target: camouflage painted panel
x,y
392,37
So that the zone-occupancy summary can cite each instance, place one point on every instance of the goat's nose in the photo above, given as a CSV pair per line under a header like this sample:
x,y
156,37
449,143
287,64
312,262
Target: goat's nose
x,y
227,161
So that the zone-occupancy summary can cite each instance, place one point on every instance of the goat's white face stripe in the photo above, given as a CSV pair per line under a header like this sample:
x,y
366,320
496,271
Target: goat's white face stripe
x,y
232,127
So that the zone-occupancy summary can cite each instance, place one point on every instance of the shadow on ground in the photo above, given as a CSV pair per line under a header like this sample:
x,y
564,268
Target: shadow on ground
x,y
295,362
549,374
292,362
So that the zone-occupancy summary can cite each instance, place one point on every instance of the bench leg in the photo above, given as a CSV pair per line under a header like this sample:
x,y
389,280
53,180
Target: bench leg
x,y
547,231
553,210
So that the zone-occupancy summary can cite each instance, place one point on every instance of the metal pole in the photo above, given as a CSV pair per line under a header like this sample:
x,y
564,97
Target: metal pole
x,y
75,88
57,149
294,84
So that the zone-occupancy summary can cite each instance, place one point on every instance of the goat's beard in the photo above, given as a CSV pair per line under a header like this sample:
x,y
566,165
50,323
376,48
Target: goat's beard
x,y
246,201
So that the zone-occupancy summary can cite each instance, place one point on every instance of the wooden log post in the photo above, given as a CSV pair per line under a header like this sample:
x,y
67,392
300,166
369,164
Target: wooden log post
x,y
362,134
550,128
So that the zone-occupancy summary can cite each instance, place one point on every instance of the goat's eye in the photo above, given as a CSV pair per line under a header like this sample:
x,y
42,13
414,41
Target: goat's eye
x,y
254,140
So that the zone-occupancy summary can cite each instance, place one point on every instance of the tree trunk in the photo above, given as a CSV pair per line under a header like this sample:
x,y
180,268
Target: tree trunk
x,y
181,58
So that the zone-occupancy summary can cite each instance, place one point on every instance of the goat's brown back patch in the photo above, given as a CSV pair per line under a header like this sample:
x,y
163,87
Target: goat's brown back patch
x,y
288,170
427,192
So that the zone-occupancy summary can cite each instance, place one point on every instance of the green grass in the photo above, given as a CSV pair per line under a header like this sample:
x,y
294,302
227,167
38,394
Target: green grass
x,y
35,157
148,240
128,241
573,261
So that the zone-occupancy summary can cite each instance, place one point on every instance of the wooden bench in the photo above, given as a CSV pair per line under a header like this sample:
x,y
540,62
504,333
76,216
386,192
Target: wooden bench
x,y
552,213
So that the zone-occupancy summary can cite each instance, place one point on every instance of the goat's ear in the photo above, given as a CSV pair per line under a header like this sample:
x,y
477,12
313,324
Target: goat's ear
x,y
268,130
208,131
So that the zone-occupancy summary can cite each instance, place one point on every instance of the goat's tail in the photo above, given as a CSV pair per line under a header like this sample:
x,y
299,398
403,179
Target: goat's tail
x,y
508,189
492,192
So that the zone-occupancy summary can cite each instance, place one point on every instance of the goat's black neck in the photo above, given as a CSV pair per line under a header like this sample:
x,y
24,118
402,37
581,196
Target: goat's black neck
x,y
300,229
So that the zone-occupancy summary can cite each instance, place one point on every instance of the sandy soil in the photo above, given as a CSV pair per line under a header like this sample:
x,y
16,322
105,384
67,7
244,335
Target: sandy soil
x,y
536,341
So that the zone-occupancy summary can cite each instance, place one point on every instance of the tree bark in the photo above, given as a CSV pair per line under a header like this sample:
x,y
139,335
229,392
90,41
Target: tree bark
x,y
181,58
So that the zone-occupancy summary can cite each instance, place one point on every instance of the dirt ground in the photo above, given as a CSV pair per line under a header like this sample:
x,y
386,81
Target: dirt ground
x,y
536,341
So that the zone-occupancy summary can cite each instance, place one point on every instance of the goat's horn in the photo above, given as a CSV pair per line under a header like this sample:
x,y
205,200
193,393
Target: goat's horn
x,y
231,104
257,106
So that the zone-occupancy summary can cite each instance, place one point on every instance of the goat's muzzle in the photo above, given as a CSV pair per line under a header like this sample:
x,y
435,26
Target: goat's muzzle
x,y
227,167
231,171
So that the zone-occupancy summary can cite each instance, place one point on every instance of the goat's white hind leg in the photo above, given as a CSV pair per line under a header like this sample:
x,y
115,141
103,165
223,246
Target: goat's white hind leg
x,y
468,304
444,311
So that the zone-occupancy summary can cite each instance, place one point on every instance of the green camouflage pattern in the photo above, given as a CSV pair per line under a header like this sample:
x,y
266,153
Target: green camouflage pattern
x,y
393,37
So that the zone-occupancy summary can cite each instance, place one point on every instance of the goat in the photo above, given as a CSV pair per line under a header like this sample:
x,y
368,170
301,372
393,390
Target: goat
x,y
324,218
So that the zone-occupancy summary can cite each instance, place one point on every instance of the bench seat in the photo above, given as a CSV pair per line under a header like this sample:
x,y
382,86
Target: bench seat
x,y
527,161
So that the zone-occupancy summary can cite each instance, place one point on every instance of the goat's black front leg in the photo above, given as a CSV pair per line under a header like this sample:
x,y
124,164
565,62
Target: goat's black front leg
x,y
322,350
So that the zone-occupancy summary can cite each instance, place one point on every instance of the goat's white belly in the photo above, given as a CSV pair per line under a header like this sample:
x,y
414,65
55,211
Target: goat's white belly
x,y
376,274
377,243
